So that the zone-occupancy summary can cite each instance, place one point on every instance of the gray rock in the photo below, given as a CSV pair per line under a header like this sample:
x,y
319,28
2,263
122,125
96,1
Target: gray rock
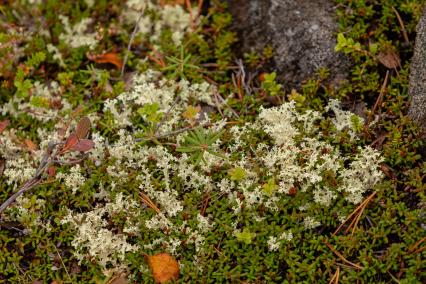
x,y
417,86
301,33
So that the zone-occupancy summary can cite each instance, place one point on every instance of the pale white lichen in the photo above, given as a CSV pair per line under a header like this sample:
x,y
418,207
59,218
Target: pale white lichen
x,y
168,17
73,179
77,35
94,240
310,222
273,244
293,158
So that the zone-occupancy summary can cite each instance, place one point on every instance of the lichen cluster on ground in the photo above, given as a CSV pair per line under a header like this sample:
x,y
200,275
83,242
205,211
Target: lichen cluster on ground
x,y
157,140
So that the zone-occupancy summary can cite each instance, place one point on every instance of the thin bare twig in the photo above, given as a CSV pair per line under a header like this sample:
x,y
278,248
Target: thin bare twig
x,y
71,162
149,202
357,214
335,278
199,8
45,162
412,249
401,24
63,264
342,257
242,74
216,103
129,46
164,135
379,99
225,103
166,115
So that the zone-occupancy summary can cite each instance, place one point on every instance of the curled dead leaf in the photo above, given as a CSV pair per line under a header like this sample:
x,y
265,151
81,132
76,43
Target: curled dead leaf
x,y
164,267
83,145
389,58
109,57
3,125
388,171
83,127
71,141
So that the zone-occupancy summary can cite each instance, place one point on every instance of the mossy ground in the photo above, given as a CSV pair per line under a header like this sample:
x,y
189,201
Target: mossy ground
x,y
388,242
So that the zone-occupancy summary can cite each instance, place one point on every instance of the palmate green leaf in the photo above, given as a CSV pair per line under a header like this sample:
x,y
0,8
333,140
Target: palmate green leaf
x,y
198,142
192,139
217,154
200,136
200,157
186,149
215,137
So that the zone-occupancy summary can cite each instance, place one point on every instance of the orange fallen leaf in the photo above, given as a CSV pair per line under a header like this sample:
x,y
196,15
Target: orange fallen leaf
x,y
109,57
30,145
164,267
71,141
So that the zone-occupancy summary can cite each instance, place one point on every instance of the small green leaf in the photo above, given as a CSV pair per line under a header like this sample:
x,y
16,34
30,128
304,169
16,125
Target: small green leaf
x,y
245,236
269,187
237,174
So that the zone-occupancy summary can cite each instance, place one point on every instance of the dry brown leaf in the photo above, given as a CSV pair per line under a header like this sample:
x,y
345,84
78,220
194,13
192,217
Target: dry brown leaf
x,y
55,103
109,57
164,267
83,145
71,141
389,58
51,171
83,127
3,125
388,171
292,191
30,145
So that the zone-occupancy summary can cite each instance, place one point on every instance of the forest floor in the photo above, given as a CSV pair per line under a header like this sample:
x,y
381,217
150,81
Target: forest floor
x,y
144,152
